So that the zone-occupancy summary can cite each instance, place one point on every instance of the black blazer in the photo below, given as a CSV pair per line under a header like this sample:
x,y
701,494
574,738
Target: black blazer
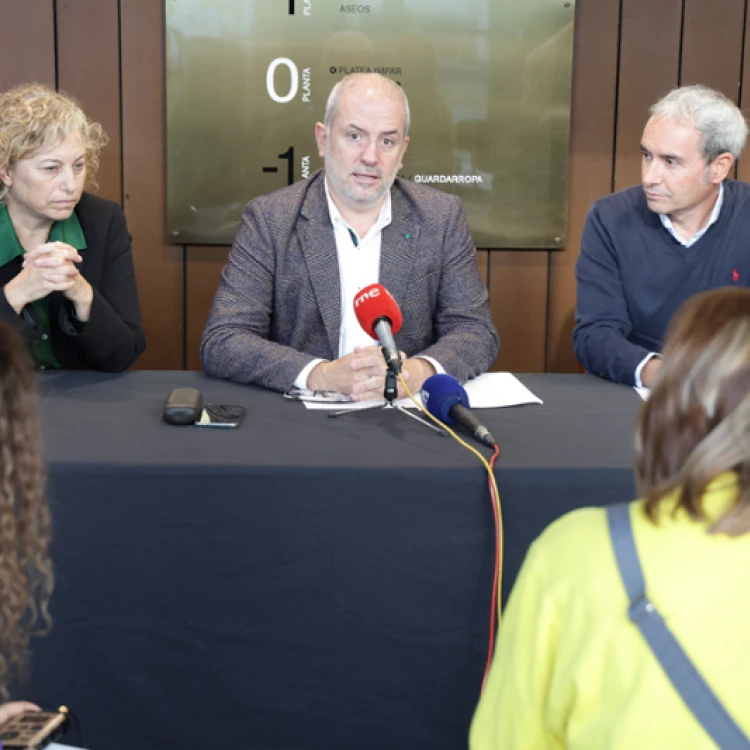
x,y
113,337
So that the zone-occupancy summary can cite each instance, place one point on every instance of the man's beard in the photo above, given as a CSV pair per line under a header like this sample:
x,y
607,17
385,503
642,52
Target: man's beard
x,y
362,199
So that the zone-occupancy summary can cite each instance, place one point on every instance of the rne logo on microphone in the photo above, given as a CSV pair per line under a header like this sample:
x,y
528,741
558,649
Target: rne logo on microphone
x,y
371,294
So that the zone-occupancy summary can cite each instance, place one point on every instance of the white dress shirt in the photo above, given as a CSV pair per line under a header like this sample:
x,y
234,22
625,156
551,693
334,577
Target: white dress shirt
x,y
359,266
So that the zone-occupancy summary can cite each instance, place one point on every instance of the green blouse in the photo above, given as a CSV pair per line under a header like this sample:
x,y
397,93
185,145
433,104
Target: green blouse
x,y
68,231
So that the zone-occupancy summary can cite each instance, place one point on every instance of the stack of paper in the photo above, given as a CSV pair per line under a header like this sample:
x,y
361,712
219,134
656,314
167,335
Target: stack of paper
x,y
489,391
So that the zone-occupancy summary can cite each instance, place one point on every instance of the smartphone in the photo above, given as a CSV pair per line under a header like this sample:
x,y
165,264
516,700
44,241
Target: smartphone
x,y
221,415
33,730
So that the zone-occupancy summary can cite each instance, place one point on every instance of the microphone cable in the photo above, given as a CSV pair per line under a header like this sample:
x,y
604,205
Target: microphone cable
x,y
495,607
74,723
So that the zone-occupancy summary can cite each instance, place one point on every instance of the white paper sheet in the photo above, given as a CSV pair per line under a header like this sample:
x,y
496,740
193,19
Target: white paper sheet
x,y
489,391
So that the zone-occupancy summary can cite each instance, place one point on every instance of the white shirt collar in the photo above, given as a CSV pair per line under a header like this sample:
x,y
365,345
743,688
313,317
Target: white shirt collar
x,y
667,222
384,217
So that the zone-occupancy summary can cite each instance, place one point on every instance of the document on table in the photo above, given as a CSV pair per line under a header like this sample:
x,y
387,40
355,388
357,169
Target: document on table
x,y
643,392
489,391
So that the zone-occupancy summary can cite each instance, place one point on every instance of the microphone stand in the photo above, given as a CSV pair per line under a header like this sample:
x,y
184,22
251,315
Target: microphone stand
x,y
391,386
390,393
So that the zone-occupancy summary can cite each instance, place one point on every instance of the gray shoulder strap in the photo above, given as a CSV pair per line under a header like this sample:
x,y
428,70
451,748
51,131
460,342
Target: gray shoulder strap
x,y
688,682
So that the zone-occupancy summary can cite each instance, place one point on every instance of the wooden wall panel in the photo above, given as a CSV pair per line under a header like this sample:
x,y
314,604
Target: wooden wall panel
x,y
712,44
159,266
94,77
203,272
649,67
27,42
518,301
483,260
591,153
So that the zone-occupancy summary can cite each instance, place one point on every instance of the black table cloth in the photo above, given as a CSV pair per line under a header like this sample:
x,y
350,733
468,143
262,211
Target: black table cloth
x,y
299,583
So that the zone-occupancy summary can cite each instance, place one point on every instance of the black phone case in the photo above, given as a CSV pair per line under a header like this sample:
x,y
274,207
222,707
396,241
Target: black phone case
x,y
183,406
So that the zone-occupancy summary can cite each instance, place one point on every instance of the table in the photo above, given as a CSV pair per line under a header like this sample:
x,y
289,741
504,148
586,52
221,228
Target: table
x,y
299,583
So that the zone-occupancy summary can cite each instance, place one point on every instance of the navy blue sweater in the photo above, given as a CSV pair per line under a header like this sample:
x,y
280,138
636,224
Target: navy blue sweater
x,y
633,275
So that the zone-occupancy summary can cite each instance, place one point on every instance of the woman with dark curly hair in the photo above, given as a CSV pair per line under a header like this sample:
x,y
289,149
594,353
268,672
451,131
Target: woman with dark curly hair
x,y
628,626
25,568
66,266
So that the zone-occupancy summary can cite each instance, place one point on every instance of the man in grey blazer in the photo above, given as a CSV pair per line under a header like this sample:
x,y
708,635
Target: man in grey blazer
x,y
283,313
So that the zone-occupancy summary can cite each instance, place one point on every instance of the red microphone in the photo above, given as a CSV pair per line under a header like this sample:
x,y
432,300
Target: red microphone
x,y
379,315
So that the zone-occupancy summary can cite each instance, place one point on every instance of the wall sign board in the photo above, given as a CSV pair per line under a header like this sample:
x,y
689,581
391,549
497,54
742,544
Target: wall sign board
x,y
488,83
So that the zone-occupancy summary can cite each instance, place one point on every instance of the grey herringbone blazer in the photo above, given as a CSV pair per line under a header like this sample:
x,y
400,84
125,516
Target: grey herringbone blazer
x,y
278,304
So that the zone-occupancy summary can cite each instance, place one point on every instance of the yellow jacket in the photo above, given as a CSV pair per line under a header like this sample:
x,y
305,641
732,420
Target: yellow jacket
x,y
571,671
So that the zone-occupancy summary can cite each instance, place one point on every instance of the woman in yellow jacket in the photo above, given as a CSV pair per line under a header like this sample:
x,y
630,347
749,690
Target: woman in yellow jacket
x,y
571,669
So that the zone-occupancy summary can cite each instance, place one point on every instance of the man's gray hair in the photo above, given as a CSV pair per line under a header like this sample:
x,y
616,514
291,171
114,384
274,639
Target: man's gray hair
x,y
713,115
356,79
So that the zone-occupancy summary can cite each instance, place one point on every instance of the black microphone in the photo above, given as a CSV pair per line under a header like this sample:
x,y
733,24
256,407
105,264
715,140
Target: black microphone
x,y
445,398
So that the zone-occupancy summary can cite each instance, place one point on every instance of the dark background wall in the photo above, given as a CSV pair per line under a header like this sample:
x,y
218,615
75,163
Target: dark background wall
x,y
110,55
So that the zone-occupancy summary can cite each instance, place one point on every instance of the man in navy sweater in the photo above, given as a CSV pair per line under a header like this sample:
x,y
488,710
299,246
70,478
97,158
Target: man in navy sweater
x,y
646,249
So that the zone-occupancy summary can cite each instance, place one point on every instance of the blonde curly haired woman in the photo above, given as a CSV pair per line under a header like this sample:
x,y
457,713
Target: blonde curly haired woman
x,y
66,266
